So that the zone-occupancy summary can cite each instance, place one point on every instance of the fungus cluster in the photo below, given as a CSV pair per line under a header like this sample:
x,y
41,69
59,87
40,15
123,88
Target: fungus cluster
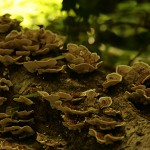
x,y
136,79
7,24
138,74
16,122
18,45
4,86
87,110
40,51
140,94
80,59
44,66
37,51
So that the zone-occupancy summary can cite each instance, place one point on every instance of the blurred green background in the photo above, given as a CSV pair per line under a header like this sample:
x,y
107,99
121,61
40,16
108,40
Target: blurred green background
x,y
119,31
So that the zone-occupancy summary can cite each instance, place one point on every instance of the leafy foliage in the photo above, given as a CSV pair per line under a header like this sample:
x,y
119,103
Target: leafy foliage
x,y
121,24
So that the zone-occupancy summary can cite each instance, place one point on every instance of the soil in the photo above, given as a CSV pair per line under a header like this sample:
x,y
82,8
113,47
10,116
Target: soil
x,y
48,121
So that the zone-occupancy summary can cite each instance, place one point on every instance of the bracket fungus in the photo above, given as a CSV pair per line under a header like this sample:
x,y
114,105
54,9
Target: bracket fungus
x,y
90,93
80,59
2,100
17,124
55,97
103,123
104,102
123,70
72,124
138,73
23,99
112,79
6,51
18,128
88,106
7,60
44,39
136,78
22,114
28,42
43,66
58,102
79,109
111,112
7,24
5,84
19,132
139,95
104,138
